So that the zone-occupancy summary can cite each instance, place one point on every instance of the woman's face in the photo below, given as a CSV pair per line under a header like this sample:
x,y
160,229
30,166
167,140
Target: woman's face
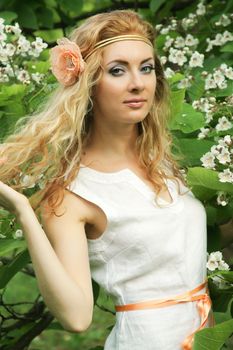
x,y
127,87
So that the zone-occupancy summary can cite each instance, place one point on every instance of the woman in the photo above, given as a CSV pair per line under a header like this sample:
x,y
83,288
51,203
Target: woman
x,y
113,206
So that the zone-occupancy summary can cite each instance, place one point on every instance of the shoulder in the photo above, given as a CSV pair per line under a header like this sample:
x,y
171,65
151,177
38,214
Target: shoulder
x,y
72,208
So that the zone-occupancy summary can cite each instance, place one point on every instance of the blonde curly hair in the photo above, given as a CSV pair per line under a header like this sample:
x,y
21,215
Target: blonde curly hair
x,y
51,141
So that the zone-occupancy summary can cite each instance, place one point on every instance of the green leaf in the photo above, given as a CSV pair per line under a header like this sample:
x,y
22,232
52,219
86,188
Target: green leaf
x,y
203,193
8,271
227,48
72,5
213,338
40,67
224,316
155,4
9,16
188,119
225,92
175,78
211,212
8,91
50,36
213,238
55,326
45,18
177,99
7,245
27,17
196,90
207,178
193,149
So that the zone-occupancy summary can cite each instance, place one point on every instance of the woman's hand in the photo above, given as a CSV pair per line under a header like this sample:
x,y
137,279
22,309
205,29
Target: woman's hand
x,y
10,199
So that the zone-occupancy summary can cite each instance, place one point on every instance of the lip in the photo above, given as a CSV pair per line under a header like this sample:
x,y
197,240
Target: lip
x,y
133,100
135,103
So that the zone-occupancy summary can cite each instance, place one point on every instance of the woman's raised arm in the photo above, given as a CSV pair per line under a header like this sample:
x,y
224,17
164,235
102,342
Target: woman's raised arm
x,y
59,257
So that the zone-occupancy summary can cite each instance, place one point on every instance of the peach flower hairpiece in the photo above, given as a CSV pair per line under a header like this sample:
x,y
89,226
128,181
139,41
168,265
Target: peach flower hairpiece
x,y
66,61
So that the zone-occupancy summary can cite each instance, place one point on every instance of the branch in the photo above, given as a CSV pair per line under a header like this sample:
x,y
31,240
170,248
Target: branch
x,y
26,338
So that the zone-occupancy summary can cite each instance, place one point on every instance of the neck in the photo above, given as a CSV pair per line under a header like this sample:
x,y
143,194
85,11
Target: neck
x,y
113,143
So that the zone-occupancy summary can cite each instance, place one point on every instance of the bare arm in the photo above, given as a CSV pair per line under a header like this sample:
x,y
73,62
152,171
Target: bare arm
x,y
60,261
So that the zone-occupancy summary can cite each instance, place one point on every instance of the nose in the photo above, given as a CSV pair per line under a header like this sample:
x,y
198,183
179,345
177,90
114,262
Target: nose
x,y
136,82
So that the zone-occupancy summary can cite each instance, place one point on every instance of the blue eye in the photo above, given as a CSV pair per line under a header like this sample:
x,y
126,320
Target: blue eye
x,y
116,70
148,68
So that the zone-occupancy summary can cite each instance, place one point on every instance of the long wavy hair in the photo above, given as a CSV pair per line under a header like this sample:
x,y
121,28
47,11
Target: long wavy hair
x,y
51,141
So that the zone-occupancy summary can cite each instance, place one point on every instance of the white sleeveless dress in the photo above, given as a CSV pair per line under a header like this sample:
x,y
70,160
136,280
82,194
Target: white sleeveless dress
x,y
146,252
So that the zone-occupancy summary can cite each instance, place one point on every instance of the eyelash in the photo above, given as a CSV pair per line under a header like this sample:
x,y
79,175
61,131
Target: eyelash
x,y
113,70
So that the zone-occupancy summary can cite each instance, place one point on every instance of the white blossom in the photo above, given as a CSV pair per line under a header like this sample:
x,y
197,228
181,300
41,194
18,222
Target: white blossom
x,y
215,261
218,77
227,140
210,45
173,24
222,85
23,45
158,27
212,263
179,42
177,56
223,124
164,31
23,76
3,38
16,29
37,77
163,59
27,181
224,156
3,55
203,133
189,21
18,234
190,40
222,199
185,83
208,160
219,40
196,60
37,47
226,176
224,21
201,9
10,49
2,25
229,73
214,150
210,82
208,117
223,67
227,36
169,41
223,266
169,73
4,78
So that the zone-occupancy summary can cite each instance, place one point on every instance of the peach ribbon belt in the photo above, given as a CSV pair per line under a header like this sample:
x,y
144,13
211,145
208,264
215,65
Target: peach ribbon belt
x,y
203,305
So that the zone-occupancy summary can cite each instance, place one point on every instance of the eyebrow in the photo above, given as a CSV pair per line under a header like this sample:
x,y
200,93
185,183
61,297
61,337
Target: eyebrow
x,y
127,63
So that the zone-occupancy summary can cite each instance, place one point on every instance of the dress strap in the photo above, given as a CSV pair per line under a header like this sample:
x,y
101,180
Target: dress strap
x,y
203,305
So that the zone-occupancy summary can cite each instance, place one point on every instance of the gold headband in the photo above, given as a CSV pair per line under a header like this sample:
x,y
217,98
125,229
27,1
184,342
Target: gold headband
x,y
118,38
